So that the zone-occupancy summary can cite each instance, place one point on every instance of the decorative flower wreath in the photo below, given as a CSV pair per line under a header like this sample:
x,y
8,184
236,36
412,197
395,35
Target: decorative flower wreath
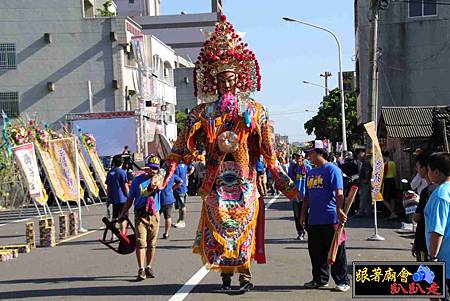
x,y
88,140
225,51
19,135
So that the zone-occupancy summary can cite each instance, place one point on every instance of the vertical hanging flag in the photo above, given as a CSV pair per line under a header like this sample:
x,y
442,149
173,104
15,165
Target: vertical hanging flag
x,y
378,164
27,162
62,154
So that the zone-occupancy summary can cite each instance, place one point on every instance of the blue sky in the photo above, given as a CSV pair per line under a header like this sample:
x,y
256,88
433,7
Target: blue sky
x,y
289,53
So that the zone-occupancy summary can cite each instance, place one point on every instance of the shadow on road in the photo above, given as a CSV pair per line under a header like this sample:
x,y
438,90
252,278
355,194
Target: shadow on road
x,y
214,288
64,279
281,205
284,241
113,291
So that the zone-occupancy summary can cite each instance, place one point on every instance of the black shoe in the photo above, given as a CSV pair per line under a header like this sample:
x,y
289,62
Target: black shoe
x,y
301,236
226,286
246,286
149,273
165,236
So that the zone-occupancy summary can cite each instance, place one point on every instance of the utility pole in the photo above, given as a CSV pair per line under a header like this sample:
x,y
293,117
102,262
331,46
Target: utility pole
x,y
373,60
326,74
375,7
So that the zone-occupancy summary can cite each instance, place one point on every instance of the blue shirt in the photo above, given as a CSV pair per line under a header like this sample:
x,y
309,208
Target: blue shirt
x,y
182,171
299,177
138,191
260,165
167,197
437,219
116,181
322,183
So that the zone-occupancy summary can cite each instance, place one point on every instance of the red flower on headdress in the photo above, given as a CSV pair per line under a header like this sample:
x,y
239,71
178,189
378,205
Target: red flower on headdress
x,y
225,51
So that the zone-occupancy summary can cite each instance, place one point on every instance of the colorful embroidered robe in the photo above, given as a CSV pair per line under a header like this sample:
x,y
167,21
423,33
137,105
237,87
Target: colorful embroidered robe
x,y
231,228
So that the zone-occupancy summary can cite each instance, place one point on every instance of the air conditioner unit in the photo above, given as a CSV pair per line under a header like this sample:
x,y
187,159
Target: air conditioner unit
x,y
51,86
47,38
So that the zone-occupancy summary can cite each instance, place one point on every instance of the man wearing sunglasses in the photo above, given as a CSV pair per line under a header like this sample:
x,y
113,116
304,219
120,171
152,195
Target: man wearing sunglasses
x,y
145,194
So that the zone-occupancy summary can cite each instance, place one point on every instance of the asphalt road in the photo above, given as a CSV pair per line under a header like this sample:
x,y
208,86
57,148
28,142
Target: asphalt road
x,y
84,269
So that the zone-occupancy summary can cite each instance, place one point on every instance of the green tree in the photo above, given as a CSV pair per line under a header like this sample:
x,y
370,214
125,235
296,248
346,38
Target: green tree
x,y
180,119
327,123
105,12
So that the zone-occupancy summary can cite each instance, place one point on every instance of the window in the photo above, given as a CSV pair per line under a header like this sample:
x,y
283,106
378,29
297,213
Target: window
x,y
9,103
7,56
131,1
422,8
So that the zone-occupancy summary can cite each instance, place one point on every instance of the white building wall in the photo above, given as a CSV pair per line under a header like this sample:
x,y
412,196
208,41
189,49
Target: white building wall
x,y
80,50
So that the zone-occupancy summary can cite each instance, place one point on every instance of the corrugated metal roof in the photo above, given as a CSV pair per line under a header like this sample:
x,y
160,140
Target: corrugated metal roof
x,y
409,122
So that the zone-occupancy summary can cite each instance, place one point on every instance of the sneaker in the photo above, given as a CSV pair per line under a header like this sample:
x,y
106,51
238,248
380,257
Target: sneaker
x,y
149,272
141,275
342,287
175,225
165,236
246,286
313,284
180,224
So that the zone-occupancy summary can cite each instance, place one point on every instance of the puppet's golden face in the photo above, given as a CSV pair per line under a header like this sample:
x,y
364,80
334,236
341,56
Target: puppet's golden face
x,y
228,142
226,83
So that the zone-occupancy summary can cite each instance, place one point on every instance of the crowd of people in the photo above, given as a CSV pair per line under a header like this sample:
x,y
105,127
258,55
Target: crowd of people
x,y
320,180
324,191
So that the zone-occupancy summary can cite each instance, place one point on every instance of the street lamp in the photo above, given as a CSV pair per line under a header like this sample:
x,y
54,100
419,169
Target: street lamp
x,y
341,80
313,84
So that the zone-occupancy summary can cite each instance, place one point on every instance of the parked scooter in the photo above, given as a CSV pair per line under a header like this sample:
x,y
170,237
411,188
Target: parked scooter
x,y
350,181
410,199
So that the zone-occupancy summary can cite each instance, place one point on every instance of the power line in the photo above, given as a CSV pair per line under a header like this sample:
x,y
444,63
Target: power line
x,y
293,112
422,2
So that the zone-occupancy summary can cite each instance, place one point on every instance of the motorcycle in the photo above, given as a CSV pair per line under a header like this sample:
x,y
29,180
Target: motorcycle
x,y
350,181
410,200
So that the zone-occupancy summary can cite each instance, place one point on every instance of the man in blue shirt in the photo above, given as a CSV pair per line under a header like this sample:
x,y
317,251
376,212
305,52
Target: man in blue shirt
x,y
325,199
261,180
298,172
117,190
167,201
145,194
437,212
180,192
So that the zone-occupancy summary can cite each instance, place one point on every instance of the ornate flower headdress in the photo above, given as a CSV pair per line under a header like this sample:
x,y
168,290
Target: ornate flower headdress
x,y
225,51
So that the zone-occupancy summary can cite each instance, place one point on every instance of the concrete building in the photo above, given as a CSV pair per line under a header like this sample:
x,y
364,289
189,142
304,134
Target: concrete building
x,y
49,50
413,64
185,89
184,33
60,57
134,8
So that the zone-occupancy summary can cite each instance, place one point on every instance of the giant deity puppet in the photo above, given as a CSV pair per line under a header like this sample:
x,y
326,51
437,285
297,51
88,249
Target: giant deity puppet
x,y
234,130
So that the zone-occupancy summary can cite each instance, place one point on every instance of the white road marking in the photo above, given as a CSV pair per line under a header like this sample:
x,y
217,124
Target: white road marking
x,y
79,235
16,221
37,216
272,201
184,291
